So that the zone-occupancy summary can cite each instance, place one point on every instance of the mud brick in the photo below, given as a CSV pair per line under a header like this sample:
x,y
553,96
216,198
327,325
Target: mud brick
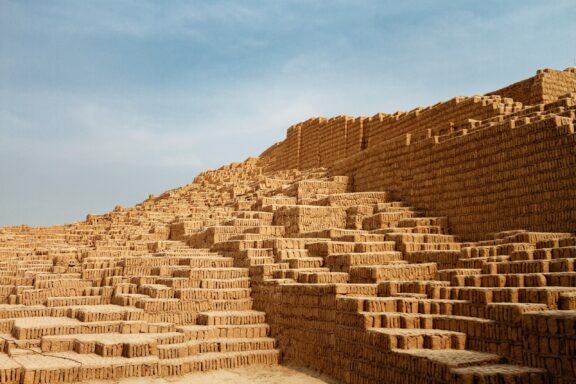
x,y
326,248
393,272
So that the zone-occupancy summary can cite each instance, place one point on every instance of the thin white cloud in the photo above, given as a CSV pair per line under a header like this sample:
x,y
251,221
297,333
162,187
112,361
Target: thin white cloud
x,y
11,121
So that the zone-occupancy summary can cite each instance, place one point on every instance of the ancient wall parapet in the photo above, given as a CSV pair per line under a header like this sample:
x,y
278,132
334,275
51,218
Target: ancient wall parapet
x,y
545,87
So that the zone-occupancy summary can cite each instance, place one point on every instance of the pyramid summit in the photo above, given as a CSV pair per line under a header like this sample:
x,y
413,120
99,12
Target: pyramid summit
x,y
430,246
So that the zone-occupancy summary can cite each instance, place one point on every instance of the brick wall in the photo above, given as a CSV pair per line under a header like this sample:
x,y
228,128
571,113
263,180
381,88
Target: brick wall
x,y
493,179
489,163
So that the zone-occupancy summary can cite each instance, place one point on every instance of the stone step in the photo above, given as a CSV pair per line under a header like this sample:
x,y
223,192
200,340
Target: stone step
x,y
236,245
253,261
37,327
550,296
545,254
212,294
478,262
256,237
156,291
96,313
522,266
247,222
367,258
224,345
292,274
14,311
419,229
201,332
231,318
423,221
519,280
70,367
353,199
212,273
254,252
387,220
498,373
322,277
421,238
286,243
381,246
408,305
31,297
264,271
215,360
426,361
232,305
363,237
285,254
305,262
207,262
511,312
444,258
127,299
327,247
334,234
420,247
10,370
396,320
395,271
86,343
398,338
76,300
254,215
182,283
344,262
151,305
269,230
449,274
396,207
568,240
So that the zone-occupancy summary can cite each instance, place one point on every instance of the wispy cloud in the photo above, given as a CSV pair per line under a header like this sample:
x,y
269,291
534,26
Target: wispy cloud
x,y
103,102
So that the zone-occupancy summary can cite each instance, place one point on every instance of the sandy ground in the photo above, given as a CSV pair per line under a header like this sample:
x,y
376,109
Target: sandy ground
x,y
246,375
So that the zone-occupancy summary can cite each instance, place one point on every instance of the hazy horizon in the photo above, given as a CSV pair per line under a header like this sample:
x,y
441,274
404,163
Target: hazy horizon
x,y
103,103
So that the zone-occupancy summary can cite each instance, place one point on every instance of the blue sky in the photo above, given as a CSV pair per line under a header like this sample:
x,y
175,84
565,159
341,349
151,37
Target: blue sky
x,y
103,102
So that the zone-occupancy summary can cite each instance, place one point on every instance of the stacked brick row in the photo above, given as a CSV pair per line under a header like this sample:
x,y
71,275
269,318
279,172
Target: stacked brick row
x,y
547,86
301,218
329,329
438,119
549,341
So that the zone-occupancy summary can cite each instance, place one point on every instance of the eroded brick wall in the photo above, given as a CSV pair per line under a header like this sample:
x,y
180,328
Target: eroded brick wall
x,y
490,163
321,142
495,179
